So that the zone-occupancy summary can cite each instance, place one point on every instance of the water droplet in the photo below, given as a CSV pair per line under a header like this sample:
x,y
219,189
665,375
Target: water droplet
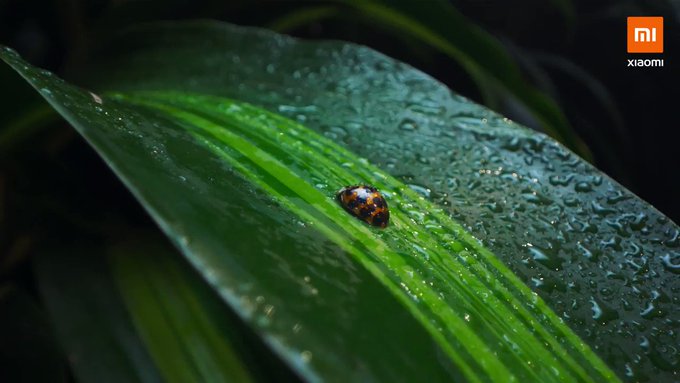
x,y
422,190
671,262
559,180
583,187
408,125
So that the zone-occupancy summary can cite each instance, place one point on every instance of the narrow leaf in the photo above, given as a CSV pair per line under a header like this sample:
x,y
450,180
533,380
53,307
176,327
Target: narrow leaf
x,y
169,311
91,321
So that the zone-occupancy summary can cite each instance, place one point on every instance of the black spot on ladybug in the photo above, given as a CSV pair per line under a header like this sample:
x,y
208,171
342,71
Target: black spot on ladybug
x,y
379,219
365,203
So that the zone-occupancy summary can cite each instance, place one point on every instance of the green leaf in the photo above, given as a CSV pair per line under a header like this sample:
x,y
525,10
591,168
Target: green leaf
x,y
197,119
168,307
304,16
133,312
90,319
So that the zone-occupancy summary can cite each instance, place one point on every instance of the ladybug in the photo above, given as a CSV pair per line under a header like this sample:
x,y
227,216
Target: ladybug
x,y
365,203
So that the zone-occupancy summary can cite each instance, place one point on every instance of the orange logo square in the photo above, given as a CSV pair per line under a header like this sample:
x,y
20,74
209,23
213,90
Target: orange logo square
x,y
645,34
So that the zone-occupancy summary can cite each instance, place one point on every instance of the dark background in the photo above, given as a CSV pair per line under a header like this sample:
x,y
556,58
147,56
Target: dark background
x,y
575,51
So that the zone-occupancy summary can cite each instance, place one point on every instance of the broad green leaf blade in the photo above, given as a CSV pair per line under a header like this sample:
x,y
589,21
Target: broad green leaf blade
x,y
484,320
251,153
295,302
604,260
188,341
504,179
89,317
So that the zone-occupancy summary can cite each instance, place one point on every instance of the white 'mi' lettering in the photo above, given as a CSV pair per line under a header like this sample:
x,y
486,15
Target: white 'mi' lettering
x,y
645,35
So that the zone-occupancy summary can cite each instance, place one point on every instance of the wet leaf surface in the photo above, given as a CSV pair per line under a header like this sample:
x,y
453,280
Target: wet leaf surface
x,y
247,195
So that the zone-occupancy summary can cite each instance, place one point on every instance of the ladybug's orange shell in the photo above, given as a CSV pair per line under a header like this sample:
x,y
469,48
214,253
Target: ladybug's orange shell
x,y
365,203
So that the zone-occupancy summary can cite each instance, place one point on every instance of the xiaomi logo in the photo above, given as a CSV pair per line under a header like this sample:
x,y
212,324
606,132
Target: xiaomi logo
x,y
645,34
